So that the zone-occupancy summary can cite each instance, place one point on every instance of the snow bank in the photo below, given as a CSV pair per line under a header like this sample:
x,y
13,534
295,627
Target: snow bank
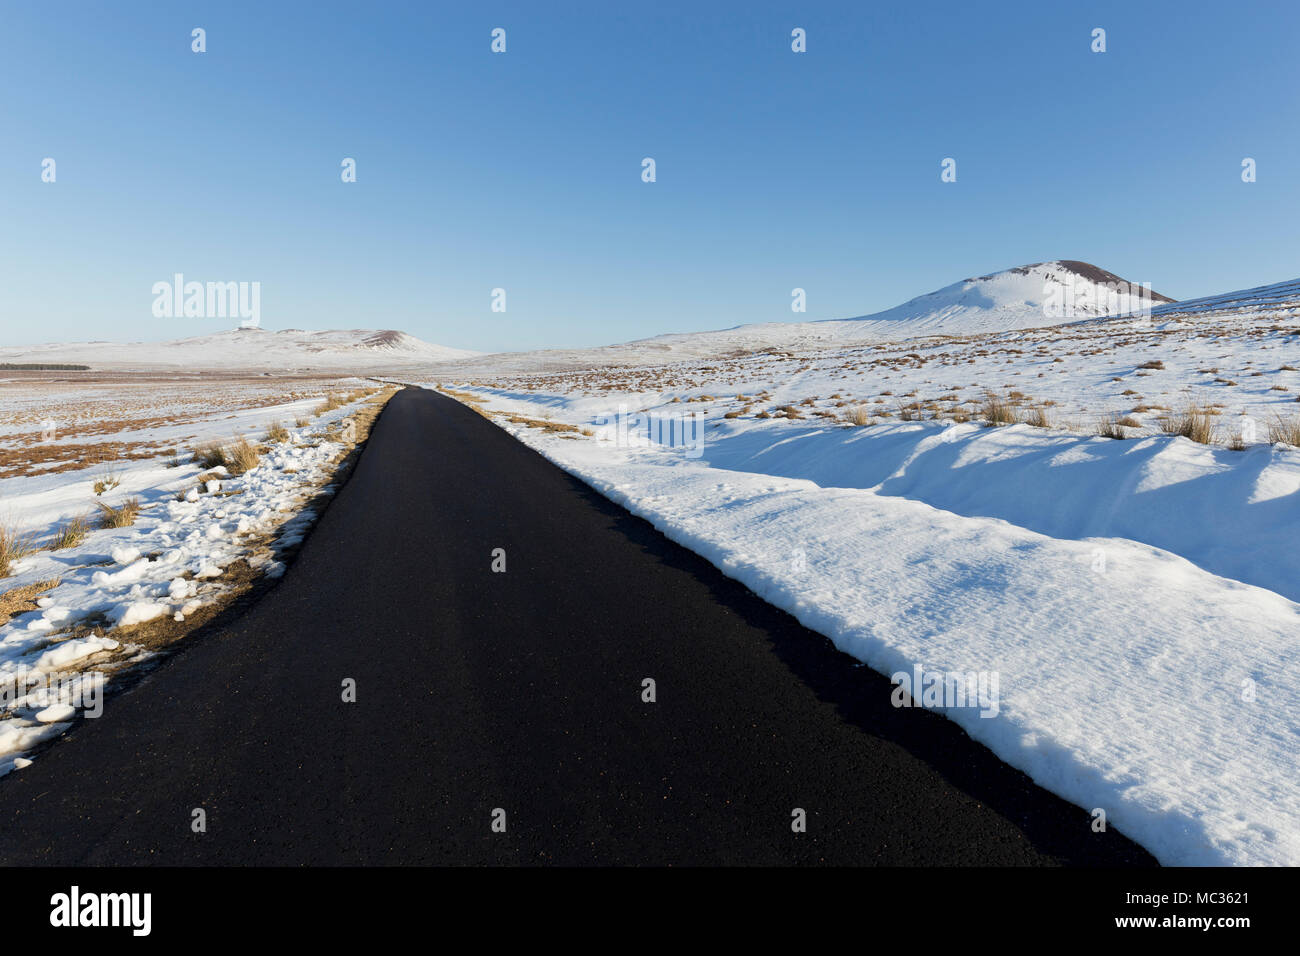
x,y
1236,514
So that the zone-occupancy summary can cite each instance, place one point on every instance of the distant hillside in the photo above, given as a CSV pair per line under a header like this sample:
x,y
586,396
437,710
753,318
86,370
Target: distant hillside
x,y
290,350
1022,297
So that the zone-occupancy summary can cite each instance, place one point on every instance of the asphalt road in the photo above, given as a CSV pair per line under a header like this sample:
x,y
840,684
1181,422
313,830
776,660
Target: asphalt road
x,y
520,691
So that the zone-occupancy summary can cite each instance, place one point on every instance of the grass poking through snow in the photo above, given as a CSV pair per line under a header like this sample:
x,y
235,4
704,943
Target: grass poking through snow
x,y
1285,431
1194,423
107,482
210,456
14,545
997,410
123,516
70,534
241,457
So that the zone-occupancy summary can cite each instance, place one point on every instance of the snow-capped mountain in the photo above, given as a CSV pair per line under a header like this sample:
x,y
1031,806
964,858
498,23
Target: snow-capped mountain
x,y
290,350
1043,293
1031,296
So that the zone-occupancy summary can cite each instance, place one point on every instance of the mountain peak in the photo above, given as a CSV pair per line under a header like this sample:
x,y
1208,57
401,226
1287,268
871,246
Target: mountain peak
x,y
1057,270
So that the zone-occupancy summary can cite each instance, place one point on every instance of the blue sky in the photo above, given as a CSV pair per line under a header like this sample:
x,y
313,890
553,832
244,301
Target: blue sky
x,y
522,170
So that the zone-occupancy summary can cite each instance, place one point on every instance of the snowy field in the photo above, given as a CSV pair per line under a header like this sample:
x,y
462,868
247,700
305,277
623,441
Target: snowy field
x,y
1132,599
82,599
337,352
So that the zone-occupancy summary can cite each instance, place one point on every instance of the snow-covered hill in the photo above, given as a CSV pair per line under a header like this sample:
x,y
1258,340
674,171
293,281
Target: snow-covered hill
x,y
1280,298
1031,296
288,351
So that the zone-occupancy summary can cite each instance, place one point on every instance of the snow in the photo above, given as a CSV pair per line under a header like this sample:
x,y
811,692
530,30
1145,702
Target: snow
x,y
1194,501
55,713
61,655
288,351
138,612
1019,298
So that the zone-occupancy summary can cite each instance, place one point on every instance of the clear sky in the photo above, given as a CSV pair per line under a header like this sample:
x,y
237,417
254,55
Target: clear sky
x,y
522,170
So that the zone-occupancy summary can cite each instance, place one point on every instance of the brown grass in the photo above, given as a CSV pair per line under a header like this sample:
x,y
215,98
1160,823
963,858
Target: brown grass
x,y
210,456
123,516
544,425
70,534
332,401
238,457
1285,431
1036,417
1194,423
1111,428
241,457
335,400
14,545
107,482
21,600
276,432
997,410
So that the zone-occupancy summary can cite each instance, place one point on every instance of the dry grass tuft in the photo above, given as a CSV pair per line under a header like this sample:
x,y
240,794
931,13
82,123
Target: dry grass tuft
x,y
1111,428
236,458
276,432
1194,423
14,545
1037,417
122,516
107,482
210,456
70,534
1285,431
997,410
241,457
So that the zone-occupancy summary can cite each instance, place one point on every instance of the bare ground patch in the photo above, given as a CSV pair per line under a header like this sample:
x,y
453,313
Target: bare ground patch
x,y
23,599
